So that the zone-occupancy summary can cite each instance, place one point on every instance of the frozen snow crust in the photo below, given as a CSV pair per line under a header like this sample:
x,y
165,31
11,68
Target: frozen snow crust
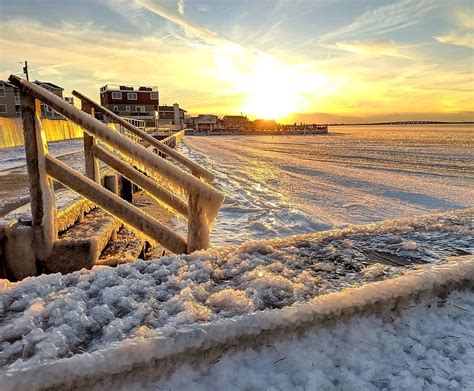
x,y
57,329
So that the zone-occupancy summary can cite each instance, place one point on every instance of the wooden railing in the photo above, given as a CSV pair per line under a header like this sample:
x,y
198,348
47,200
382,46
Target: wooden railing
x,y
203,201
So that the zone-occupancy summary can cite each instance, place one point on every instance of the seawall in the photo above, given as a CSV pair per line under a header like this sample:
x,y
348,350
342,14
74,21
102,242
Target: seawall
x,y
11,131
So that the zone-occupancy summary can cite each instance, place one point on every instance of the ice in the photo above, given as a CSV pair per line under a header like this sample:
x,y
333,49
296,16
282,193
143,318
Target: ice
x,y
280,186
15,157
91,310
424,347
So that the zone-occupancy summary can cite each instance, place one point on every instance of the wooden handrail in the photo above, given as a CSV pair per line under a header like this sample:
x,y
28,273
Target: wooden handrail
x,y
113,204
139,153
194,167
141,180
203,200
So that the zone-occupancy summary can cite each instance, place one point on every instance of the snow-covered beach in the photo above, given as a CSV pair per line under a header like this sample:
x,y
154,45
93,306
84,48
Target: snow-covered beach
x,y
277,187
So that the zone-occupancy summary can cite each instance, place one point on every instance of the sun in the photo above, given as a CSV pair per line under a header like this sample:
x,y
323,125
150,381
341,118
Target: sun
x,y
270,88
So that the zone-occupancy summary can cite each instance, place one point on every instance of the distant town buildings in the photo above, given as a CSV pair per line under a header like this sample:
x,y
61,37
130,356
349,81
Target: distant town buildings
x,y
131,101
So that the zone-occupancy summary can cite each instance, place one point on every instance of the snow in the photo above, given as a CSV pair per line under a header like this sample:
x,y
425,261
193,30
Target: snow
x,y
15,157
56,317
279,186
427,346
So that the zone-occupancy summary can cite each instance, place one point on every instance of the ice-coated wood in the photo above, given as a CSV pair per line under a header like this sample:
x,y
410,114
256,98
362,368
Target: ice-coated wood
x,y
150,186
195,168
42,199
91,164
119,208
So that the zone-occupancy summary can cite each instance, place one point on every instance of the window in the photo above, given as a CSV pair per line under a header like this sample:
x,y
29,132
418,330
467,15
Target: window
x,y
2,91
3,109
115,108
127,108
140,109
116,95
154,96
132,96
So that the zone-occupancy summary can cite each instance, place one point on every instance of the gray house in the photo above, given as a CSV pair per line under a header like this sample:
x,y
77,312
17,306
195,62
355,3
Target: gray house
x,y
9,100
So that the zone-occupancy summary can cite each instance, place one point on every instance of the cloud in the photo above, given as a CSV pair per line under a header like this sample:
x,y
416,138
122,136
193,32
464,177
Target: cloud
x,y
384,19
191,30
464,34
371,48
181,7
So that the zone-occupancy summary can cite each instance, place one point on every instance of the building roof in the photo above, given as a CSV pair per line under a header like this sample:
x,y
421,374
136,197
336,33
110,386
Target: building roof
x,y
235,117
169,108
48,84
128,87
7,83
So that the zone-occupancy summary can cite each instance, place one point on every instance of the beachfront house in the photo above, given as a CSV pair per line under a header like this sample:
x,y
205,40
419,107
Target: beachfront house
x,y
171,115
137,102
9,100
206,122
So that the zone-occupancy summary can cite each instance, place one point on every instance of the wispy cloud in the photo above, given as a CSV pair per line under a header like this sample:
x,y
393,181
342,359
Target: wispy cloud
x,y
372,48
191,30
464,33
384,19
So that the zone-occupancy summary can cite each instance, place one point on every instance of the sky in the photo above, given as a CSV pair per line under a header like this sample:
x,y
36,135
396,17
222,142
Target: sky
x,y
293,60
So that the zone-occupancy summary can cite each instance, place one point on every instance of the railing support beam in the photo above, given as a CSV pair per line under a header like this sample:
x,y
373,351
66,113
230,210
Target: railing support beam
x,y
142,181
198,226
113,204
42,198
91,165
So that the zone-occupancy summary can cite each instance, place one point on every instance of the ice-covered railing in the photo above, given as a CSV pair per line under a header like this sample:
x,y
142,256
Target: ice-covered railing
x,y
195,168
203,201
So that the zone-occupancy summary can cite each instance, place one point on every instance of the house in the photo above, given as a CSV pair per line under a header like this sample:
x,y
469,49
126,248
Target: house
x,y
46,111
235,122
136,102
171,115
205,122
9,100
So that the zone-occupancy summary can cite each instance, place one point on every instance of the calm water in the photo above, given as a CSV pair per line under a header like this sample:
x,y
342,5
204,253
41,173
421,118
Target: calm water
x,y
283,185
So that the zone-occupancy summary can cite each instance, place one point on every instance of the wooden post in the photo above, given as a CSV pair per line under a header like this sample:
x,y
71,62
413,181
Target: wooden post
x,y
111,183
42,198
91,164
198,226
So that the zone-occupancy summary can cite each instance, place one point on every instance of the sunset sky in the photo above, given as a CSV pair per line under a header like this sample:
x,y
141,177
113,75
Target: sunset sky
x,y
294,60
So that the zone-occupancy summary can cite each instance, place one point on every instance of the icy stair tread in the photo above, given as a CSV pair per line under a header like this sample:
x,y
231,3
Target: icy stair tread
x,y
82,244
124,248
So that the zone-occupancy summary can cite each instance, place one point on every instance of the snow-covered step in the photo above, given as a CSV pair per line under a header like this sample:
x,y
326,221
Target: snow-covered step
x,y
81,245
126,247
18,260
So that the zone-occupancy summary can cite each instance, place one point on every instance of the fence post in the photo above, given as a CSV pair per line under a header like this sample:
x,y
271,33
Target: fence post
x,y
91,164
42,198
198,227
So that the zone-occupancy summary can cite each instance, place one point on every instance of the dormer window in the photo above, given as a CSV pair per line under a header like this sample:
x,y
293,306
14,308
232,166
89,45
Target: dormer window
x,y
132,96
116,95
